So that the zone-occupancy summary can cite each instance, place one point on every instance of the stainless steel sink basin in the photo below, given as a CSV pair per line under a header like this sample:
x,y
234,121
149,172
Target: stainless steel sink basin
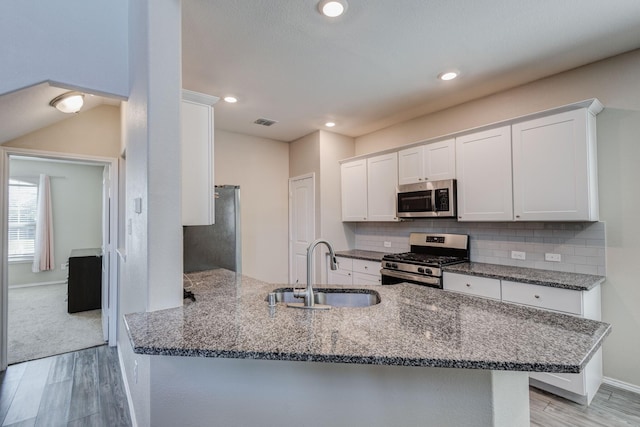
x,y
333,297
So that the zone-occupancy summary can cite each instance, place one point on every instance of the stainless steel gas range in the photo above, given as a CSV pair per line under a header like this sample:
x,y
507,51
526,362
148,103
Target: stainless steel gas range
x,y
423,265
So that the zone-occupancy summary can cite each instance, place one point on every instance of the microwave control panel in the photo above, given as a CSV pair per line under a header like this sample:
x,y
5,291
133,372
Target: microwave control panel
x,y
442,199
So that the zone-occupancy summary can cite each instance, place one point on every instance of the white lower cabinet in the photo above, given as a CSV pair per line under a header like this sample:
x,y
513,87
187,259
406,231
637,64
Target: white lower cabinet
x,y
580,387
355,272
474,285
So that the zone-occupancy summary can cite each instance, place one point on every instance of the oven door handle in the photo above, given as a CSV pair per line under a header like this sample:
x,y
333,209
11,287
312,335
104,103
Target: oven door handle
x,y
409,276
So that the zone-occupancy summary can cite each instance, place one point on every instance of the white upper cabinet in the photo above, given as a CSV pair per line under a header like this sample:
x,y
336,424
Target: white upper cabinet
x,y
369,188
430,162
554,168
411,165
354,190
382,186
197,158
483,170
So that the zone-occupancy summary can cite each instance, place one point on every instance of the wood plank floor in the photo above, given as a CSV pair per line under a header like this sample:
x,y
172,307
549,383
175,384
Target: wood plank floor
x,y
84,388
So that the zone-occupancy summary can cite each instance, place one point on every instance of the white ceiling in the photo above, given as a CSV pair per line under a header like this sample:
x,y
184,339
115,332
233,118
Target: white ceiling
x,y
377,64
373,67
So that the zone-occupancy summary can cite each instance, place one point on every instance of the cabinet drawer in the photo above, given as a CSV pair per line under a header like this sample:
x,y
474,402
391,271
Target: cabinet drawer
x,y
366,279
345,264
574,383
473,285
366,267
557,299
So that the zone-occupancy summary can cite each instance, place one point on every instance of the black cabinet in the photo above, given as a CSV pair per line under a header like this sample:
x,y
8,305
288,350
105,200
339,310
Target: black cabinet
x,y
84,290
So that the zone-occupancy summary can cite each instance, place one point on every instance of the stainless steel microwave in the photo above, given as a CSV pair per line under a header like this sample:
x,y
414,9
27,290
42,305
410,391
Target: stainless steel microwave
x,y
427,199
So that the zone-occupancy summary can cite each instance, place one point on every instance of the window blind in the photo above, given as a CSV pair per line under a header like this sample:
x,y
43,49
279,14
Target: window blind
x,y
23,198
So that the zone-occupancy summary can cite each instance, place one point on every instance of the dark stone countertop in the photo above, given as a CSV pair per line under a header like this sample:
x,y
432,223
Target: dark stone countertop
x,y
360,254
556,279
412,326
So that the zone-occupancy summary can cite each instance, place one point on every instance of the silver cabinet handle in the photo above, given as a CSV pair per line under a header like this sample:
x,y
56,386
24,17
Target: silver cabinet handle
x,y
537,296
468,285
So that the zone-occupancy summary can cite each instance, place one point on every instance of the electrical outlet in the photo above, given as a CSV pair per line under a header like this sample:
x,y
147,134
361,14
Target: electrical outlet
x,y
552,257
135,371
387,244
518,255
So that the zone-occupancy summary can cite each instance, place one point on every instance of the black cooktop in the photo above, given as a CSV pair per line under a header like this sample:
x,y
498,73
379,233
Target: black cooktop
x,y
424,259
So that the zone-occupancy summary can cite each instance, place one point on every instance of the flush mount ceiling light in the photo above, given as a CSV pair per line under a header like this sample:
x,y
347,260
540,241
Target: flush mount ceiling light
x,y
448,75
330,124
230,99
70,102
332,8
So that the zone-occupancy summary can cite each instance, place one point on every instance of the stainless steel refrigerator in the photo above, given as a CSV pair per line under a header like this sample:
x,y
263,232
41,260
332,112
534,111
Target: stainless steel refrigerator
x,y
207,247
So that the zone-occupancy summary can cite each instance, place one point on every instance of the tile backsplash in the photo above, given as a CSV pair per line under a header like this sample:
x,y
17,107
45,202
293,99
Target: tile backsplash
x,y
580,245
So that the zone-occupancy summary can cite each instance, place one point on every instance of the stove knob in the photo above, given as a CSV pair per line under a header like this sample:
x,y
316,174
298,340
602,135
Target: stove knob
x,y
420,270
427,271
388,265
394,265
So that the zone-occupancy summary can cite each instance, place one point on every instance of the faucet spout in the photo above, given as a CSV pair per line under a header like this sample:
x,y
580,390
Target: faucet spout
x,y
307,293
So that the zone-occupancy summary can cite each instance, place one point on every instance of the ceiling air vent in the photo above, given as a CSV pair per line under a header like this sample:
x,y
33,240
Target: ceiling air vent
x,y
265,122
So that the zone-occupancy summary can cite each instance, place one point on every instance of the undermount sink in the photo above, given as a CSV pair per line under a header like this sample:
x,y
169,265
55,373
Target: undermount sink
x,y
334,297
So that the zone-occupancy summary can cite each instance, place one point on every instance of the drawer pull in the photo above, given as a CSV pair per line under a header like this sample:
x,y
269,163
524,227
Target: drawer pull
x,y
468,285
536,296
366,267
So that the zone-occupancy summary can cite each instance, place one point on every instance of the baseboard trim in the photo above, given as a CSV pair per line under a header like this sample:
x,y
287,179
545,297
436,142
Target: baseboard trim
x,y
30,285
621,384
132,413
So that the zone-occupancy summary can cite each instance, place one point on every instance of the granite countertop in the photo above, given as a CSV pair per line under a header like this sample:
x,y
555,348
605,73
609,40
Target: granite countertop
x,y
360,254
556,279
412,326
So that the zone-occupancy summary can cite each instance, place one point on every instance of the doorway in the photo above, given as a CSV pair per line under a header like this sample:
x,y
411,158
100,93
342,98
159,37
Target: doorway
x,y
99,233
302,229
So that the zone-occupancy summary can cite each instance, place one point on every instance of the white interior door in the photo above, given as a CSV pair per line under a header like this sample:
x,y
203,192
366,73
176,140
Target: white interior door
x,y
106,250
301,225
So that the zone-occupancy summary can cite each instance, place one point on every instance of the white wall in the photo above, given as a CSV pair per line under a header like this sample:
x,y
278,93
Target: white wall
x,y
333,147
151,277
75,43
260,167
319,153
615,82
76,199
94,132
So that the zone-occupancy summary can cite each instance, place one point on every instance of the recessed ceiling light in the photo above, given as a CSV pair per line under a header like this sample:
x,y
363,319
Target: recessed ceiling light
x,y
230,99
332,8
330,124
448,75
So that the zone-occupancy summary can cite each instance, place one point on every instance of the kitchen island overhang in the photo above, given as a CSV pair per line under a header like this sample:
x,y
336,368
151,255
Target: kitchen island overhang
x,y
413,328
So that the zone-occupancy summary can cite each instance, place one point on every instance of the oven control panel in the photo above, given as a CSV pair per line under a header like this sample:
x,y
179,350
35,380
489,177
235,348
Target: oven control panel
x,y
412,268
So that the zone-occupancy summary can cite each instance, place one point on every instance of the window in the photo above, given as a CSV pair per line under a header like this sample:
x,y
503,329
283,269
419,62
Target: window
x,y
23,198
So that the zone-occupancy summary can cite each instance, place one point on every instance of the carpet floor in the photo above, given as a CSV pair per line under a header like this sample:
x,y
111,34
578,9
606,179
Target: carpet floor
x,y
39,325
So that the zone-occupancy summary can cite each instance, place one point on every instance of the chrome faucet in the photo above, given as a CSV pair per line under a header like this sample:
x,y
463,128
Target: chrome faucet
x,y
307,293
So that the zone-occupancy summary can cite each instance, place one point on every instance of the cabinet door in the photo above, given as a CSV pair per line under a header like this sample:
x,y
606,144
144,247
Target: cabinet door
x,y
366,279
382,185
553,168
483,170
339,277
411,165
354,190
197,164
440,160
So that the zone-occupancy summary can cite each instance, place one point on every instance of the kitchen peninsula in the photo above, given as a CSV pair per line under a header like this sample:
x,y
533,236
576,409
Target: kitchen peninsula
x,y
420,357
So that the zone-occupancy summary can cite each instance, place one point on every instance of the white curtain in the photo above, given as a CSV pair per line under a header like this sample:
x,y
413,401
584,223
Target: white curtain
x,y
43,253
